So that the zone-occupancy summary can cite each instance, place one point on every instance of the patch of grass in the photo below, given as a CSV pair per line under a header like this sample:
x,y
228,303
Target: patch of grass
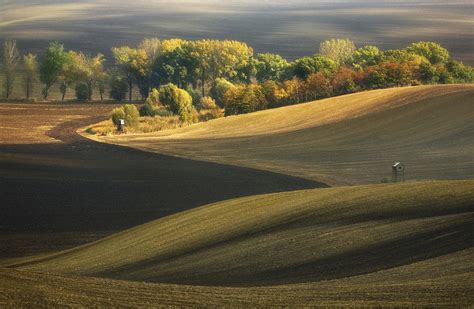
x,y
145,125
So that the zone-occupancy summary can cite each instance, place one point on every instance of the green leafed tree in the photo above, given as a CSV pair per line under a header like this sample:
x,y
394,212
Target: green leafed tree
x,y
339,50
30,66
461,73
270,67
434,52
11,59
126,59
366,56
306,66
52,66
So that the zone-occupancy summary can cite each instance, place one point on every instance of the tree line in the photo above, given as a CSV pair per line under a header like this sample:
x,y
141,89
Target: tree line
x,y
230,72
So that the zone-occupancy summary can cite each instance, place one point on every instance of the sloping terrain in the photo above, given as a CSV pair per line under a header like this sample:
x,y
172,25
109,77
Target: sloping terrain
x,y
445,281
59,190
400,244
351,139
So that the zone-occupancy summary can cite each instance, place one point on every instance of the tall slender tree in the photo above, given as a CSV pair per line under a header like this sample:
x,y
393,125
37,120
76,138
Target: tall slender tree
x,y
11,58
52,66
30,65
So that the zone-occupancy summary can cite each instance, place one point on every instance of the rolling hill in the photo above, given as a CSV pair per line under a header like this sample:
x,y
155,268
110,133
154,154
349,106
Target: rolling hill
x,y
351,139
378,244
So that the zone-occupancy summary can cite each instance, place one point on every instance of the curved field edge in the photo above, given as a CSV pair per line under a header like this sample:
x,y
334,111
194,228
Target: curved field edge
x,y
351,139
286,238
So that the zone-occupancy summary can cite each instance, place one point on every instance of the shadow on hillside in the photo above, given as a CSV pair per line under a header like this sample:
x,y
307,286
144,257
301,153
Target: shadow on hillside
x,y
80,185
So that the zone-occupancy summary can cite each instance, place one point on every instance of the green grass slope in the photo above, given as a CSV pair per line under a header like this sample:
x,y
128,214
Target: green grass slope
x,y
297,237
350,139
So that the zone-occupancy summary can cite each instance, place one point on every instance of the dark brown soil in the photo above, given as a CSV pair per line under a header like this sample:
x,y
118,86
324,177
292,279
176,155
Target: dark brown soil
x,y
86,190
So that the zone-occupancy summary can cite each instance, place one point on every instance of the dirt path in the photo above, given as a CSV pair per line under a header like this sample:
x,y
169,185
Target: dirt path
x,y
85,189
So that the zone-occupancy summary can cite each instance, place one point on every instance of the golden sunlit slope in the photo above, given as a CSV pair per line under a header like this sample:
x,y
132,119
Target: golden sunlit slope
x,y
294,237
351,139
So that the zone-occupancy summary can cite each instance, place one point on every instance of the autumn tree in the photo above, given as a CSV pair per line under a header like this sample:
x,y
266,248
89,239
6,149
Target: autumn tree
x,y
52,66
70,72
338,50
30,66
11,59
343,82
178,101
318,86
220,87
243,99
218,59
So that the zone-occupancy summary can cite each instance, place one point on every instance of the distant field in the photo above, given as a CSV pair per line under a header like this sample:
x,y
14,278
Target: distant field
x,y
350,139
407,245
291,28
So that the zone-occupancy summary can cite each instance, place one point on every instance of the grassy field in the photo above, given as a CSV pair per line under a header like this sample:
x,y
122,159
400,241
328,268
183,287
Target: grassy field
x,y
290,28
351,139
406,244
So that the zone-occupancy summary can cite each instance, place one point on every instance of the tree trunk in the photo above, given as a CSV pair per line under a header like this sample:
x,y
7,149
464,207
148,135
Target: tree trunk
x,y
27,89
130,86
7,84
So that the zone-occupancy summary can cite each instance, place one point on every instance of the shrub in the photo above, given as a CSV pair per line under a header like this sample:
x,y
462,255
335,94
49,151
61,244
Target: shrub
x,y
219,89
207,103
209,109
118,88
82,92
196,95
152,104
179,102
127,112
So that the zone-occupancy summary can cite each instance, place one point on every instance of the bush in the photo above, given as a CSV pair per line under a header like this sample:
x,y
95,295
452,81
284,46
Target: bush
x,y
82,92
196,95
179,102
209,109
207,103
118,88
219,89
152,104
127,112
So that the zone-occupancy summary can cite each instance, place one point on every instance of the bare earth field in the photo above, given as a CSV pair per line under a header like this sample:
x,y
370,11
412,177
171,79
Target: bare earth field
x,y
53,180
291,28
384,245
235,212
351,139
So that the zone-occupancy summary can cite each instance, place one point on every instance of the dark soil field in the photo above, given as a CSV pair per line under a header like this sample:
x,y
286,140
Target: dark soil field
x,y
291,28
64,190
87,224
